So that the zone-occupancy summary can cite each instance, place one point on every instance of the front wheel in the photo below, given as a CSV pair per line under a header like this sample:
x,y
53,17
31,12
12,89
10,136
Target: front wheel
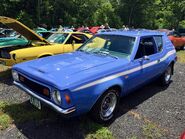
x,y
105,108
167,75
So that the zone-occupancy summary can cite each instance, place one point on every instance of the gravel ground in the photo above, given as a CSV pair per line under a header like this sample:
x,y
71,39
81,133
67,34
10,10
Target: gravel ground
x,y
152,111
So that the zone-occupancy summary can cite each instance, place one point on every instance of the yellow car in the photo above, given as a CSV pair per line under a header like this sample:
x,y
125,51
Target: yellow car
x,y
37,46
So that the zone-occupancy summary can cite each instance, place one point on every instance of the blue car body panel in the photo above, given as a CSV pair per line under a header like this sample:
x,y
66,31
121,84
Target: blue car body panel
x,y
85,77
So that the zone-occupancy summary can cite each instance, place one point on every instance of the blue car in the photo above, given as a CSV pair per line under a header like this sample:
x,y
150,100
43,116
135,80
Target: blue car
x,y
92,79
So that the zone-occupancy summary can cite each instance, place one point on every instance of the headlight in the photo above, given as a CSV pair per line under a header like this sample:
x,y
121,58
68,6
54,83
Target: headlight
x,y
14,56
15,75
57,97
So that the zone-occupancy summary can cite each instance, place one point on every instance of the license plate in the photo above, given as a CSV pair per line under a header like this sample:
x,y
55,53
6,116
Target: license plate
x,y
35,102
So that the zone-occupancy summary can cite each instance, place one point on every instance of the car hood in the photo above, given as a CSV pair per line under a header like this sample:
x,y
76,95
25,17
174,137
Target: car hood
x,y
70,69
22,29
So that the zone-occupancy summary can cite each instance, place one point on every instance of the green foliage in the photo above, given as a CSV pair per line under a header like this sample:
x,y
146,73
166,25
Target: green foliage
x,y
20,113
95,131
138,13
181,56
5,120
151,131
25,19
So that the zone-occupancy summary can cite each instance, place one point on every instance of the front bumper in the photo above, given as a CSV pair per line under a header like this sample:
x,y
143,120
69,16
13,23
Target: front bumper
x,y
55,107
7,62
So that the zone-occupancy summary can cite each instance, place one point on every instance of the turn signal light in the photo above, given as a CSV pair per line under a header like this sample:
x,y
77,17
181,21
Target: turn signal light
x,y
46,92
67,98
21,79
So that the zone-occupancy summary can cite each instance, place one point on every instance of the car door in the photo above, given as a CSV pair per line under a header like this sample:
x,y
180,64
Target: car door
x,y
152,63
74,42
146,63
135,79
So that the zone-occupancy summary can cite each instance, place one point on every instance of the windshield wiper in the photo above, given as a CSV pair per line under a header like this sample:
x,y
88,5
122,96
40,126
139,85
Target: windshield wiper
x,y
105,53
84,51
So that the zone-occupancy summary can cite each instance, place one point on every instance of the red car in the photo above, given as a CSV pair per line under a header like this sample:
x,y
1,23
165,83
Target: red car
x,y
175,37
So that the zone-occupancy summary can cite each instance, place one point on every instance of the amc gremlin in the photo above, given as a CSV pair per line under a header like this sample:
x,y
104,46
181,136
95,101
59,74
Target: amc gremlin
x,y
105,68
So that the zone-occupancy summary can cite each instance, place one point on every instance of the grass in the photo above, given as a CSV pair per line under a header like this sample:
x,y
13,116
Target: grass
x,y
21,113
5,121
18,113
95,131
181,56
151,131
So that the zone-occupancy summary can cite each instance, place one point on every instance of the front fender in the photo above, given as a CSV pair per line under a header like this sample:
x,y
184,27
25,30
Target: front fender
x,y
86,98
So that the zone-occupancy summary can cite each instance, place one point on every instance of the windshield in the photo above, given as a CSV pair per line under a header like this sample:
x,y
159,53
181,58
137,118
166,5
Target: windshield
x,y
114,45
57,38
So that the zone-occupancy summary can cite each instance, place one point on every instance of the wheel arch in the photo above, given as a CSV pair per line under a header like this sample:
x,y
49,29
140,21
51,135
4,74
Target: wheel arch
x,y
118,86
172,64
44,55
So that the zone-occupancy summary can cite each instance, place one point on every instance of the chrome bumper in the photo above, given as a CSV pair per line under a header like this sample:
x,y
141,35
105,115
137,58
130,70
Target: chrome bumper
x,y
55,107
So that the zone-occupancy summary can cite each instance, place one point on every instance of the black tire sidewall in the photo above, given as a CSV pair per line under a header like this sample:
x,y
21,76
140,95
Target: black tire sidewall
x,y
164,82
96,111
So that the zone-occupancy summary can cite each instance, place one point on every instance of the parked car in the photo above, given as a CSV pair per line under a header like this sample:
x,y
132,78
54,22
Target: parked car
x,y
92,79
107,30
175,37
12,41
44,34
7,32
182,32
37,47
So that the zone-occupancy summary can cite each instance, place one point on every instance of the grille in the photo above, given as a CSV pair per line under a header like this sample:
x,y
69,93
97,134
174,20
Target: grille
x,y
35,87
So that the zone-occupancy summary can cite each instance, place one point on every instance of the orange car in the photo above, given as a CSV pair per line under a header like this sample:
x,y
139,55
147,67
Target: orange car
x,y
175,37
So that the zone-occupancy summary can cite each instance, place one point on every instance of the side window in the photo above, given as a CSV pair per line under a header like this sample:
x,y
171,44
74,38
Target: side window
x,y
146,47
140,52
78,38
159,42
176,34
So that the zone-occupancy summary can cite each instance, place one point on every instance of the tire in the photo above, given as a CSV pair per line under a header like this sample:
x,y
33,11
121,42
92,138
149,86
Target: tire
x,y
166,76
106,107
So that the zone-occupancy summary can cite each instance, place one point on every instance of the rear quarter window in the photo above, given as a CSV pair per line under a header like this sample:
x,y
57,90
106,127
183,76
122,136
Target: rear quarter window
x,y
159,42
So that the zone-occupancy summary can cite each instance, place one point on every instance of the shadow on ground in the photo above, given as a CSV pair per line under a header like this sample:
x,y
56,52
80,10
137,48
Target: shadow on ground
x,y
137,97
48,124
5,74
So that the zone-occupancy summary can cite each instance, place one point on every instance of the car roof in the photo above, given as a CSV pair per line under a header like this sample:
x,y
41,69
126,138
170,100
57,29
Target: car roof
x,y
134,32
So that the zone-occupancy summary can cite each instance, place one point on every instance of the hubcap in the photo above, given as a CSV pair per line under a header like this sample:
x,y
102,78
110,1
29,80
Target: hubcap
x,y
168,74
108,105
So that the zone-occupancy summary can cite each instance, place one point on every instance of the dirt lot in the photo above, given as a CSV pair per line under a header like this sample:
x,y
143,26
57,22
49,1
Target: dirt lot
x,y
151,112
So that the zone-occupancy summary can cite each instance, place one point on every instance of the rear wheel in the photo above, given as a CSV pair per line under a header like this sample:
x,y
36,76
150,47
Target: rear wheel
x,y
167,75
106,107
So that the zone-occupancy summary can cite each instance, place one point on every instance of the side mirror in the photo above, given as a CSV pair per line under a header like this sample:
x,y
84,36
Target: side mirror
x,y
146,58
73,44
